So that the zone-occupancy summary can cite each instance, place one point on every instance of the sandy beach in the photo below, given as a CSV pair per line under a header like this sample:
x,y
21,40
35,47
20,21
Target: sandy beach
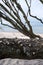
x,y
15,35
21,62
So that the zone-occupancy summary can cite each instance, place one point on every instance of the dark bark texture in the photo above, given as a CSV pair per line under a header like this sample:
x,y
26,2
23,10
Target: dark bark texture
x,y
21,48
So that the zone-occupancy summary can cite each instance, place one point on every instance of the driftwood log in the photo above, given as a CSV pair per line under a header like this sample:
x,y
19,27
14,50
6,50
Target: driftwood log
x,y
21,48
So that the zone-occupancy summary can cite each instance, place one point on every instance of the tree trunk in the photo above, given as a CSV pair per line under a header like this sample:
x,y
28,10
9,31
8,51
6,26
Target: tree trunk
x,y
30,34
21,48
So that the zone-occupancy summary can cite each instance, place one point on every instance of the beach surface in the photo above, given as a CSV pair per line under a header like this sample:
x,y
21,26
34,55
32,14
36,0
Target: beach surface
x,y
15,35
21,62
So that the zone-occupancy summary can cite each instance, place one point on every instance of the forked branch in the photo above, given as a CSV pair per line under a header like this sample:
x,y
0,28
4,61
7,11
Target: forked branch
x,y
29,11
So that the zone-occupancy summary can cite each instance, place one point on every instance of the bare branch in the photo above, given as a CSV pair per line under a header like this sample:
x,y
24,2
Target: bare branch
x,y
10,21
19,22
15,18
10,14
10,7
14,24
24,15
41,1
29,11
35,16
14,6
7,25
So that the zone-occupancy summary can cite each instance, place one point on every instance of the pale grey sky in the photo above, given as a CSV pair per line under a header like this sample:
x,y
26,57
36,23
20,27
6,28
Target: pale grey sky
x,y
36,9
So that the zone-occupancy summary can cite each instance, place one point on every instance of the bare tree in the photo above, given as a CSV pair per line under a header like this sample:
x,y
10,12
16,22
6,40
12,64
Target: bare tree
x,y
13,8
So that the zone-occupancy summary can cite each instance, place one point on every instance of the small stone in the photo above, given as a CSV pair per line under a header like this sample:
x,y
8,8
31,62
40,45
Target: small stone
x,y
37,38
33,40
33,53
7,42
21,44
29,45
0,41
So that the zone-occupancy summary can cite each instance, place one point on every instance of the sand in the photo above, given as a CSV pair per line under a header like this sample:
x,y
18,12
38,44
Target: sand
x,y
21,62
14,35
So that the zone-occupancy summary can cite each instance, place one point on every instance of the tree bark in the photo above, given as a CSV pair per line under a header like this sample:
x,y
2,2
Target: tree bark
x,y
21,48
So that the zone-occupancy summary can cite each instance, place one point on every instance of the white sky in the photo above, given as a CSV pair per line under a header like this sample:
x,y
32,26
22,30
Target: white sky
x,y
36,7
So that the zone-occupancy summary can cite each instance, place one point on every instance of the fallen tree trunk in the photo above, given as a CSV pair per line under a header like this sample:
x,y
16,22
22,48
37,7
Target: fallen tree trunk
x,y
21,48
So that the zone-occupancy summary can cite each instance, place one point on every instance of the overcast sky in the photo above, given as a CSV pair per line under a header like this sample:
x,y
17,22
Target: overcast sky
x,y
36,8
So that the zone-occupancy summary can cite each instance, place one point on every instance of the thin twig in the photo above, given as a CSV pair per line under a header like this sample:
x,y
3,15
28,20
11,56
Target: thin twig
x,y
29,11
7,25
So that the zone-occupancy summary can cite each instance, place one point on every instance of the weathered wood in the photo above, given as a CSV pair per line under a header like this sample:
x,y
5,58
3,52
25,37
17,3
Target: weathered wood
x,y
21,48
